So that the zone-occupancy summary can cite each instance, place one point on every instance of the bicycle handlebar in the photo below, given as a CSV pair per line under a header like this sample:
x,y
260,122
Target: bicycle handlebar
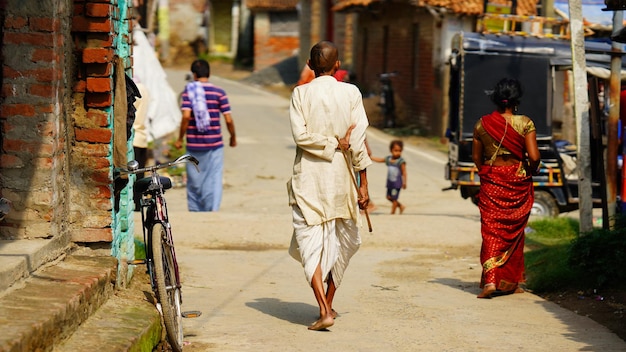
x,y
132,165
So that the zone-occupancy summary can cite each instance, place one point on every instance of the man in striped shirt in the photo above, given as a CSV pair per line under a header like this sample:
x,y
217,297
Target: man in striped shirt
x,y
202,105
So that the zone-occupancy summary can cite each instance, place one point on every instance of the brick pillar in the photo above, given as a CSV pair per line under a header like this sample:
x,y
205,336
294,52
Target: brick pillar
x,y
101,32
34,129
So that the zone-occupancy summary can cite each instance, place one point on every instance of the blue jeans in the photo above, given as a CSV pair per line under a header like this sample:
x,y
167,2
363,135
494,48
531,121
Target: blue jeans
x,y
204,188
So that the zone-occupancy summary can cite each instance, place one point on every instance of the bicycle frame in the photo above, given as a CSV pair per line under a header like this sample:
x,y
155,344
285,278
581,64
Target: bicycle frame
x,y
154,210
162,265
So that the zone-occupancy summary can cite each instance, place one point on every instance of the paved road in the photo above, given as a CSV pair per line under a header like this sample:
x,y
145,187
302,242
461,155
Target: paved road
x,y
411,287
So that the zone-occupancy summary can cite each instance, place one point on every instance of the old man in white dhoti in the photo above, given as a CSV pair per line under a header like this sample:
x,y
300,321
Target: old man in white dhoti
x,y
323,197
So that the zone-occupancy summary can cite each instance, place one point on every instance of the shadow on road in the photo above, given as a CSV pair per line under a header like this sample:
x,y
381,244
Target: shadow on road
x,y
294,312
465,286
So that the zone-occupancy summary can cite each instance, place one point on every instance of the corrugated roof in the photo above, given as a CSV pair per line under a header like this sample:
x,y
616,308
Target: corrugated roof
x,y
272,4
467,7
476,7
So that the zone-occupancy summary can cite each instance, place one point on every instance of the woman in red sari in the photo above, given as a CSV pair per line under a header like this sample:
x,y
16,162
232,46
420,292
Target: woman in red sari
x,y
506,154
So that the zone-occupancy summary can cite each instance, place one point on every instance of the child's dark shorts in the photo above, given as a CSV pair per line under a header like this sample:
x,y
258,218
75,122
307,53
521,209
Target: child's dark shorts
x,y
393,193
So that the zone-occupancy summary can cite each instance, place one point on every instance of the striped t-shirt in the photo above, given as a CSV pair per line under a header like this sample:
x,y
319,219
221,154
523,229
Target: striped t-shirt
x,y
217,102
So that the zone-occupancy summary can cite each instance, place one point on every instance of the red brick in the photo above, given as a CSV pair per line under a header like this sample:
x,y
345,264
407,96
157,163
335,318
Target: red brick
x,y
80,86
98,163
9,72
9,90
100,117
98,100
92,24
104,192
40,39
45,24
93,135
45,108
47,74
43,90
45,55
92,235
15,22
98,10
10,161
99,84
92,150
98,55
20,145
9,110
101,176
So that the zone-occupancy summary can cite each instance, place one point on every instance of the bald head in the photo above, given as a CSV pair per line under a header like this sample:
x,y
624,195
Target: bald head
x,y
324,58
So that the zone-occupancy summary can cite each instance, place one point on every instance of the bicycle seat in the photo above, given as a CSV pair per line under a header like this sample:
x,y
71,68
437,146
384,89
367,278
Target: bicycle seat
x,y
143,184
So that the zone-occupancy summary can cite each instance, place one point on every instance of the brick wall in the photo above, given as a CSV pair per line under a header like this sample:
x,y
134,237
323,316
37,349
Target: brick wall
x,y
418,91
268,49
101,33
34,156
57,120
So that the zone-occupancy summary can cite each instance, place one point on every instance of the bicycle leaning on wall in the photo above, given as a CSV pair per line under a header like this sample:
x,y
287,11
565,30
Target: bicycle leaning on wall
x,y
160,255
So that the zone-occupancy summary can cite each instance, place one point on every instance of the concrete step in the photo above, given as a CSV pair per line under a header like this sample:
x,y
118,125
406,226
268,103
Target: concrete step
x,y
19,258
48,306
126,322
70,297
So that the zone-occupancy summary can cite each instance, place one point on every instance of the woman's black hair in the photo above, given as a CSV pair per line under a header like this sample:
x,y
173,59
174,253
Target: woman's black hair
x,y
507,93
201,68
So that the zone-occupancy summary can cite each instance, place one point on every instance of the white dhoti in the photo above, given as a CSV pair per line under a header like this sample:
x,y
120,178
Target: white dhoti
x,y
330,244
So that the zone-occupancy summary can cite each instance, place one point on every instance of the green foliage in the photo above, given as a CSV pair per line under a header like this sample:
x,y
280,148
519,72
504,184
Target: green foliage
x,y
547,258
140,249
601,255
557,258
174,153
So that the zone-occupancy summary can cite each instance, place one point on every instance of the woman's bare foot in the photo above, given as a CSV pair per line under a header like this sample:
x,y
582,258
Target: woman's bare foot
x,y
401,209
322,323
334,314
488,290
519,290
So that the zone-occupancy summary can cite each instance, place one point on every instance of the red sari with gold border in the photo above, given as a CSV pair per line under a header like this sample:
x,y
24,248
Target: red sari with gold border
x,y
505,201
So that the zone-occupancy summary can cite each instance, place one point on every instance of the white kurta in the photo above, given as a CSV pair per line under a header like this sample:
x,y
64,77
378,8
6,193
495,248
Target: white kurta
x,y
321,188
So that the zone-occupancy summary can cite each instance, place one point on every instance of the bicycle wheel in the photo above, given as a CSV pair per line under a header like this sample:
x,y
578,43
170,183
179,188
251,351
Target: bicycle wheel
x,y
168,291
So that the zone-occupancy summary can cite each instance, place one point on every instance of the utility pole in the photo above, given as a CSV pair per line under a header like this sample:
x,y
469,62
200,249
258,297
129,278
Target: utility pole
x,y
614,113
581,112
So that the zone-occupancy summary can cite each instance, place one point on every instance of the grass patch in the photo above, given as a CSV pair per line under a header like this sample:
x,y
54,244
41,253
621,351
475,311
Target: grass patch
x,y
546,258
140,249
557,257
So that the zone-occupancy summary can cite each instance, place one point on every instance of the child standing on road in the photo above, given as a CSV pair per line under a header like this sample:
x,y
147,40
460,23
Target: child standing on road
x,y
396,174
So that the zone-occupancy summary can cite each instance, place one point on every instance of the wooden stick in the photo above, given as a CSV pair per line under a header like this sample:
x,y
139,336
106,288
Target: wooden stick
x,y
351,171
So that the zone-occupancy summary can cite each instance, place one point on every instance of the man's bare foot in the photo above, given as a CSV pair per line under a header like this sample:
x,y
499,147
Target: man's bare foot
x,y
322,323
488,290
401,209
333,313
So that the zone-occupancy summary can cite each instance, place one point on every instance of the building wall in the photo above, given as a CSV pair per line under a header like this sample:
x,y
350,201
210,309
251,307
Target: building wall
x,y
408,49
36,55
58,100
269,49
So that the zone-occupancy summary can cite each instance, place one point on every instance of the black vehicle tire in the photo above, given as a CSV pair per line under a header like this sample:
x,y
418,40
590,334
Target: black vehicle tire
x,y
544,205
168,291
